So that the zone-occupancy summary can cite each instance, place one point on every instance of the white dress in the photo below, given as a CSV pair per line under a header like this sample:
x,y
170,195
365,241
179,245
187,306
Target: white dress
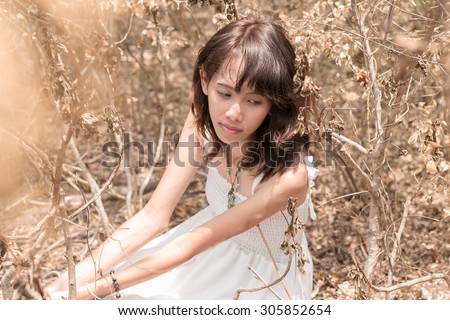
x,y
219,271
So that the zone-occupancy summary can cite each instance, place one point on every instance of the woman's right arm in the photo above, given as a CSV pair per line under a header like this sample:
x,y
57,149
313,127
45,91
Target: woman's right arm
x,y
149,222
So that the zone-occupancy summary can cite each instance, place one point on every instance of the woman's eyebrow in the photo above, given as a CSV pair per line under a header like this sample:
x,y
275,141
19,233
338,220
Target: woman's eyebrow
x,y
226,85
234,88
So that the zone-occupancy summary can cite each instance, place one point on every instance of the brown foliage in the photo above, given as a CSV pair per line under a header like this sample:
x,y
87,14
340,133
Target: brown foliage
x,y
78,74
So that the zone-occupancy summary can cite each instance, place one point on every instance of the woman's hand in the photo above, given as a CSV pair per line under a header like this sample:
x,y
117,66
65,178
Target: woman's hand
x,y
83,293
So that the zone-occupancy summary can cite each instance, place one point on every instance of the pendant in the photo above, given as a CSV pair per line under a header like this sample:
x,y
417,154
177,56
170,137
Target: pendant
x,y
231,198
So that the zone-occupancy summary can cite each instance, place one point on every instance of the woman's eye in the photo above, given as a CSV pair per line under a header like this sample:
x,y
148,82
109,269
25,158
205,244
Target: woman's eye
x,y
255,102
224,94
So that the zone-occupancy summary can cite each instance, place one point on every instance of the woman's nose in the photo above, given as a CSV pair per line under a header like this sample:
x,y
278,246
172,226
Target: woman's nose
x,y
234,112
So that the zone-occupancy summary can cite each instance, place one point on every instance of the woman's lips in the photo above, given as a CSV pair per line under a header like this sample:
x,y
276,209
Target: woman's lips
x,y
229,129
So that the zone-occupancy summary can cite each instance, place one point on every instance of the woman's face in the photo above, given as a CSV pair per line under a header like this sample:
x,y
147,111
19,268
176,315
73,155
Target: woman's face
x,y
235,115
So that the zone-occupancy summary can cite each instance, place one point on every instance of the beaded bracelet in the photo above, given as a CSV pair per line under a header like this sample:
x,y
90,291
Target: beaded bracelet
x,y
115,284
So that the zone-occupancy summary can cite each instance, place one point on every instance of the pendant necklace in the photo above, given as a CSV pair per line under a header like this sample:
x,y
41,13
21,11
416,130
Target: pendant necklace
x,y
234,182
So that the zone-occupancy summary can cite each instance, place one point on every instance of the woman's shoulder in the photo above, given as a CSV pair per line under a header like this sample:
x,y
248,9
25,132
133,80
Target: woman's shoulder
x,y
292,182
190,127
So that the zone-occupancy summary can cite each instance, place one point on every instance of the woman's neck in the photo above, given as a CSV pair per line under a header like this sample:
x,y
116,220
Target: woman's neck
x,y
234,153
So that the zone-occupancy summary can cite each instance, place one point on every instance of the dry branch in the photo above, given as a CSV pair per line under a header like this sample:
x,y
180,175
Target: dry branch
x,y
346,140
433,276
94,186
162,123
6,283
361,275
371,65
398,236
59,208
269,285
289,247
365,178
375,188
100,191
281,276
130,184
32,147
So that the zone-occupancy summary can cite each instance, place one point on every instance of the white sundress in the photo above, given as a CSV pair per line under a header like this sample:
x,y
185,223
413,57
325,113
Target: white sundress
x,y
218,272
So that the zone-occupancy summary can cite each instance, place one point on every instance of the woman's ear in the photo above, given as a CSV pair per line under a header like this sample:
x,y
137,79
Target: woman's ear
x,y
204,81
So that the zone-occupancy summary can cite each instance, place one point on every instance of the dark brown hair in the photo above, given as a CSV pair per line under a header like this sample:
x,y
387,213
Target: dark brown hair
x,y
269,68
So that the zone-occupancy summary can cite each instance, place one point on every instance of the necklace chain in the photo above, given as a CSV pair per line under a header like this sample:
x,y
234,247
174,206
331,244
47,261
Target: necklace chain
x,y
234,182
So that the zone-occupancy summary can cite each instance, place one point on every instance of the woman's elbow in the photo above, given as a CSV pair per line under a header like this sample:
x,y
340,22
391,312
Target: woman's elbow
x,y
154,222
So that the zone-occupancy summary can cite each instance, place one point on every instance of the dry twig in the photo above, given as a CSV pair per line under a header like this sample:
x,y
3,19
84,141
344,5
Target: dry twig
x,y
398,236
359,273
94,186
269,285
100,191
162,123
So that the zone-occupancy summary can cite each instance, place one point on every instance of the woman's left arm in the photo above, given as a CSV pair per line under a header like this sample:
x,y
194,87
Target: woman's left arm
x,y
269,198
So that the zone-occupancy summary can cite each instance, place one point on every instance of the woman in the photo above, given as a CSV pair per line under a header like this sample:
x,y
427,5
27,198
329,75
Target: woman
x,y
244,125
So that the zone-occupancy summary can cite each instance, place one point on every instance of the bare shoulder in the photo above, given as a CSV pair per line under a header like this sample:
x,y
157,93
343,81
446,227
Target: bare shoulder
x,y
272,195
291,183
191,127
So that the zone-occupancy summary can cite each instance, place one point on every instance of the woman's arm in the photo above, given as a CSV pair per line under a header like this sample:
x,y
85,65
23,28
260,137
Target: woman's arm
x,y
271,197
149,222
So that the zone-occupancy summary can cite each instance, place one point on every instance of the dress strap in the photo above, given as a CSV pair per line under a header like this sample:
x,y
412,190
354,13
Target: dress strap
x,y
256,181
312,174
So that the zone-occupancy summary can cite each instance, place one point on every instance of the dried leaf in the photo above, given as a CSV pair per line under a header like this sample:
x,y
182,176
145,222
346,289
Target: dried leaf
x,y
431,167
443,166
413,137
435,144
427,150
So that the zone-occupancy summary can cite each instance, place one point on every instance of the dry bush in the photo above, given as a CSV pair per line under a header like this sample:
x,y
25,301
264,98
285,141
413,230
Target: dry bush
x,y
86,80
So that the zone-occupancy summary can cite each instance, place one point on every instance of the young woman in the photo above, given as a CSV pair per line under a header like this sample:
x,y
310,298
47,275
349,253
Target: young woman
x,y
244,125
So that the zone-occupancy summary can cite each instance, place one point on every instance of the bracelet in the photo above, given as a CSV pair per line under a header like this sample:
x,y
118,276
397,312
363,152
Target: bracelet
x,y
115,284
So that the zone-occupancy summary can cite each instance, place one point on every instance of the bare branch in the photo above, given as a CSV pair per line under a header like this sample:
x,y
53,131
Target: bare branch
x,y
128,31
162,123
6,283
342,138
389,19
94,186
350,142
130,184
371,65
266,244
367,181
393,253
32,147
100,191
240,290
433,276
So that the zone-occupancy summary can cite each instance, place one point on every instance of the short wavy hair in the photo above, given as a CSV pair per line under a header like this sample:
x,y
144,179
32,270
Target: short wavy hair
x,y
269,69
